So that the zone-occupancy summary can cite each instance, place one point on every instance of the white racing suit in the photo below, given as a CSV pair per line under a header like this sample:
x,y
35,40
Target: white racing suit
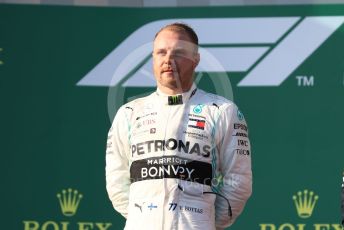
x,y
179,162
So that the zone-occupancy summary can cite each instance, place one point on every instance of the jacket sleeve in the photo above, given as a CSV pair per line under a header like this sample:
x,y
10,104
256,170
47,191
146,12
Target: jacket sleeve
x,y
234,165
117,163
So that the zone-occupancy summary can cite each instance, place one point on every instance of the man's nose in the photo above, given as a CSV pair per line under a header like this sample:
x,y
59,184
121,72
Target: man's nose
x,y
168,58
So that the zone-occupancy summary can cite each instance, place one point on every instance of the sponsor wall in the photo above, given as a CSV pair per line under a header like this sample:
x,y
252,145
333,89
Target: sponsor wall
x,y
65,70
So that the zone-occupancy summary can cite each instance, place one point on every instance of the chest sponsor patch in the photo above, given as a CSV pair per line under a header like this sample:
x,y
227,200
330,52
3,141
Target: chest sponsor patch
x,y
196,123
171,167
146,115
143,123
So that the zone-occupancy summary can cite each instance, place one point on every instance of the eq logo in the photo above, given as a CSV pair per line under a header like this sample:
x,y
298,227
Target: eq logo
x,y
266,49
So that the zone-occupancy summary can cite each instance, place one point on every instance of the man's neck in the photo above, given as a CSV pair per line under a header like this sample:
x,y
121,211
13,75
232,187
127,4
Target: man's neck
x,y
173,91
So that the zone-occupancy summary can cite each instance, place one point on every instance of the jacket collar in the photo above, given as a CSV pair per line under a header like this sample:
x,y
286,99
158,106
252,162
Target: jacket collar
x,y
178,98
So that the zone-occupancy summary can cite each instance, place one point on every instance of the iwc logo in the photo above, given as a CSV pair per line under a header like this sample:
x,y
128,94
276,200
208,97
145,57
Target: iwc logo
x,y
69,202
305,202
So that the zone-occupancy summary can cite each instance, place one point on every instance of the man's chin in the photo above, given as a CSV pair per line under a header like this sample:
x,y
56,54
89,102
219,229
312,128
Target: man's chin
x,y
168,79
169,75
171,84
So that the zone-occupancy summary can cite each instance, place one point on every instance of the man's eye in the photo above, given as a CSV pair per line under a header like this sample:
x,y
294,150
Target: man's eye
x,y
160,52
179,53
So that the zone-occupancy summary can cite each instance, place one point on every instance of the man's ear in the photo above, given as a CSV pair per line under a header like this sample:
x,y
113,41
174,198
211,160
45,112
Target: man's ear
x,y
197,58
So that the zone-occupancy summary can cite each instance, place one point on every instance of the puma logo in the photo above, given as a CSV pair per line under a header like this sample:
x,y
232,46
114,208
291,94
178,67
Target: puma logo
x,y
138,206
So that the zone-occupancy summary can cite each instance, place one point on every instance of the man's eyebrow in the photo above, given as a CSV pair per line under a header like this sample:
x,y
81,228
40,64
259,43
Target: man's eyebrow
x,y
160,49
176,49
180,49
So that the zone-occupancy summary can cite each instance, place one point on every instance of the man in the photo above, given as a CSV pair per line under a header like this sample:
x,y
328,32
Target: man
x,y
179,158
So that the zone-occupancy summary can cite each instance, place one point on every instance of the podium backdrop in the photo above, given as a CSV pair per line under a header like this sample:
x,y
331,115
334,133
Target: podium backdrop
x,y
65,70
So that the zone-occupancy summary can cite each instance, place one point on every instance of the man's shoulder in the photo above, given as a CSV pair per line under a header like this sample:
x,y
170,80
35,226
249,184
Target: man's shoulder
x,y
138,101
132,107
211,98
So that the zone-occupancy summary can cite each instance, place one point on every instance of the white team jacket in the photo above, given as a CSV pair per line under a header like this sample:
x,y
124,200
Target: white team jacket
x,y
179,162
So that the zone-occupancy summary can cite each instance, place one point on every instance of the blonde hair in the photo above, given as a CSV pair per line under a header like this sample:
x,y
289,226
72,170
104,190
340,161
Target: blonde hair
x,y
180,27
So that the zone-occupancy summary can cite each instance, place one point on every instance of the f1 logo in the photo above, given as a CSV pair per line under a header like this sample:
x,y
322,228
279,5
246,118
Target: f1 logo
x,y
267,49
